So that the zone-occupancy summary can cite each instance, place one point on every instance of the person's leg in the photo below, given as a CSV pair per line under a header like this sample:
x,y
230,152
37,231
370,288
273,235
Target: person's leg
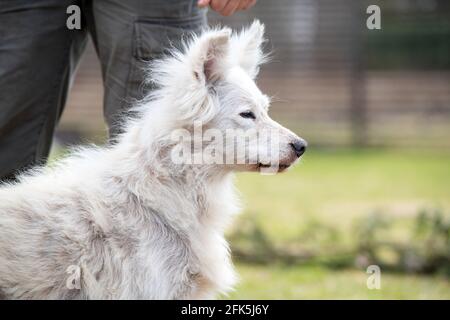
x,y
37,55
130,33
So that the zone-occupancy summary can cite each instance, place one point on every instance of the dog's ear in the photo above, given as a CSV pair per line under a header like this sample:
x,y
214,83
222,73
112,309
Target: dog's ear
x,y
247,47
209,54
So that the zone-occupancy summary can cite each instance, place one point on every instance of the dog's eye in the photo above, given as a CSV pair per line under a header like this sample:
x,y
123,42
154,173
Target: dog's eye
x,y
247,115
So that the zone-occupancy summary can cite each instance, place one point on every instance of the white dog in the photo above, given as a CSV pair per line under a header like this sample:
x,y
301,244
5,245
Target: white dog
x,y
126,221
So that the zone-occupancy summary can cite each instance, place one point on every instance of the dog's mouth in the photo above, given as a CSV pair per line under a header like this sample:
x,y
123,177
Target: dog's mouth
x,y
280,167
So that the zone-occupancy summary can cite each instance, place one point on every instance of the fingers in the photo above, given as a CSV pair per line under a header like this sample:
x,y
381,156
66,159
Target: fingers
x,y
227,7
218,5
247,4
242,5
230,8
203,3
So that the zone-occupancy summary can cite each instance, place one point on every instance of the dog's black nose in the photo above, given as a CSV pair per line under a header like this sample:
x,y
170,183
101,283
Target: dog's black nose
x,y
299,147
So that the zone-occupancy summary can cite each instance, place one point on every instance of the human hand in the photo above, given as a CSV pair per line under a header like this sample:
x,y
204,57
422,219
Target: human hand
x,y
227,7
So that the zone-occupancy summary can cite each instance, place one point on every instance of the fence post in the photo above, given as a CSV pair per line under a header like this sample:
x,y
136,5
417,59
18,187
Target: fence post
x,y
358,101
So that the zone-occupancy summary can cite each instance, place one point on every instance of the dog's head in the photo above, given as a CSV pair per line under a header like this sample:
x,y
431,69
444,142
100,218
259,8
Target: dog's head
x,y
211,86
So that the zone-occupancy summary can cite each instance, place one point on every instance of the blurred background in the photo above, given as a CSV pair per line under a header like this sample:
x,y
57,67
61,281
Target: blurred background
x,y
374,187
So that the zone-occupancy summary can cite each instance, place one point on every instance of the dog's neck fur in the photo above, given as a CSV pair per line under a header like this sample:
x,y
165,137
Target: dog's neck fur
x,y
148,154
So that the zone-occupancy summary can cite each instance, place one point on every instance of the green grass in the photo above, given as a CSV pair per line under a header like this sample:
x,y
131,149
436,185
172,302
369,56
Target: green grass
x,y
336,188
315,282
339,186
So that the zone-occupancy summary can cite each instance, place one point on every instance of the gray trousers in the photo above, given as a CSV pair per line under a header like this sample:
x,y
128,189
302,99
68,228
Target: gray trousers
x,y
38,55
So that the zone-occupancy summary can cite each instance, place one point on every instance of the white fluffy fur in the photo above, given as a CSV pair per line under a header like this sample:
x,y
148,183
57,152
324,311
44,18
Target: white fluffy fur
x,y
137,225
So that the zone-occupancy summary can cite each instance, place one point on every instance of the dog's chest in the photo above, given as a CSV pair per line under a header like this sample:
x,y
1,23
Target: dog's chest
x,y
170,261
177,269
169,264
